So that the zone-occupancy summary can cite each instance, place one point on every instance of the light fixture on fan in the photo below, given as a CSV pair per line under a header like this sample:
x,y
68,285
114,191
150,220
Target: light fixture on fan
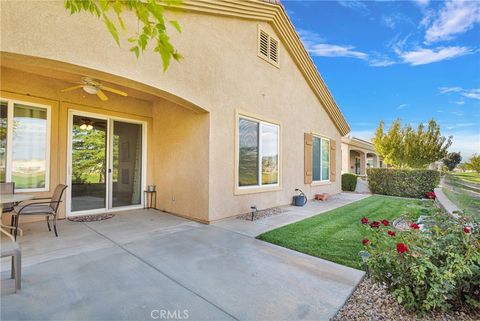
x,y
94,87
87,124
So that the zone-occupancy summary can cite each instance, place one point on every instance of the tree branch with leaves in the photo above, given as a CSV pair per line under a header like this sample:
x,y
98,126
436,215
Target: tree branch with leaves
x,y
150,15
405,147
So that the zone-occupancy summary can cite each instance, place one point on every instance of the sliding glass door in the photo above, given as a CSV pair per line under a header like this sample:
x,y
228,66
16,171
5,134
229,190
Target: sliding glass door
x,y
89,163
126,164
106,164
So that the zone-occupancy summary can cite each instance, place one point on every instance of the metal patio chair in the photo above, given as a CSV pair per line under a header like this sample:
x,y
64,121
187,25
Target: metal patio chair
x,y
44,208
7,188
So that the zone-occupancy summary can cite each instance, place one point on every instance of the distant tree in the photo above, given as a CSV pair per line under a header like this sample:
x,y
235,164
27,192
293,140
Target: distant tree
x,y
151,19
462,167
409,148
452,160
474,163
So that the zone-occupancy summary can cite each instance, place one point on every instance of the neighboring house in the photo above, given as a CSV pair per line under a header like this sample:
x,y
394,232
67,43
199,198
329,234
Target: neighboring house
x,y
242,120
358,155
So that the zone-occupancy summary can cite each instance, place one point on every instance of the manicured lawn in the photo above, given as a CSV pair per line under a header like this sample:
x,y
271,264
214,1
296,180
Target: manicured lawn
x,y
471,177
336,235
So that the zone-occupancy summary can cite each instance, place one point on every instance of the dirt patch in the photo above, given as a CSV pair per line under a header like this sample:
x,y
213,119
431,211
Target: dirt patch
x,y
262,214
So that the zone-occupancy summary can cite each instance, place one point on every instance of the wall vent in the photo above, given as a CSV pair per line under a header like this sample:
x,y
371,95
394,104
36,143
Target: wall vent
x,y
268,47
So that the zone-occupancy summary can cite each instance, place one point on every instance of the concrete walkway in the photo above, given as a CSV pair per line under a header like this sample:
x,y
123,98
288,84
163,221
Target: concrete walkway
x,y
141,265
292,214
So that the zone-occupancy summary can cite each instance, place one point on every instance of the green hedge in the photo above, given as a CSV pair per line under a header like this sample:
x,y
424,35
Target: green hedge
x,y
402,182
349,182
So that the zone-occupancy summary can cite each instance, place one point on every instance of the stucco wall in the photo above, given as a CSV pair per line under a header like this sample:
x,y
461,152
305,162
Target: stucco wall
x,y
220,72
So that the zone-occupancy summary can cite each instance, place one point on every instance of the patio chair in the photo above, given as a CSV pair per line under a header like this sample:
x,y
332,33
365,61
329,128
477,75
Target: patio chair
x,y
14,251
44,208
7,188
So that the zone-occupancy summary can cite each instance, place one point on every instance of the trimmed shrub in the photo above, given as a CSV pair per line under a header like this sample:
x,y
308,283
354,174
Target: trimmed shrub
x,y
349,182
402,182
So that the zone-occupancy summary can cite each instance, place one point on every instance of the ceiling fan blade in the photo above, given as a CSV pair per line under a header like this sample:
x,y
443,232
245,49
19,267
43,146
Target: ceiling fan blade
x,y
115,91
101,95
71,88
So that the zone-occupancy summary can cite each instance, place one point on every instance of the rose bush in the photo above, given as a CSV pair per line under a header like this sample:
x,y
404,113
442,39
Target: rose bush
x,y
438,268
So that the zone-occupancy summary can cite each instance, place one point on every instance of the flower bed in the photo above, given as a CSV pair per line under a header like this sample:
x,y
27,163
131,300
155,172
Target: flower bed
x,y
427,269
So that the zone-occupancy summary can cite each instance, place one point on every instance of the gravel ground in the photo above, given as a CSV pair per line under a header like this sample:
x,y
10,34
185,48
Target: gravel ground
x,y
371,302
262,214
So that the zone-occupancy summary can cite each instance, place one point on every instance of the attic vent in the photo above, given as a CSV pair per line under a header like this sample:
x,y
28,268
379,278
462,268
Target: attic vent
x,y
267,47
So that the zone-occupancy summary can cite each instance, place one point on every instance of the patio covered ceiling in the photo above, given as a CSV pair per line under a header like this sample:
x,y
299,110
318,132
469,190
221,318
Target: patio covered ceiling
x,y
72,74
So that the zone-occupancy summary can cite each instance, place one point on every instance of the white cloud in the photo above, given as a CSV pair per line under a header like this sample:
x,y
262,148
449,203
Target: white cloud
x,y
424,56
381,62
456,17
467,93
353,4
402,106
329,50
446,90
388,21
458,113
472,93
460,102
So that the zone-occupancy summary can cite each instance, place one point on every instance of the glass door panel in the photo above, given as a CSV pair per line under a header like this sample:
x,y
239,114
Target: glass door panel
x,y
89,163
126,164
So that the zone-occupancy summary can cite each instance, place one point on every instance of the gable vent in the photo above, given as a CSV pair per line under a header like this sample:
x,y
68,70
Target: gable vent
x,y
268,47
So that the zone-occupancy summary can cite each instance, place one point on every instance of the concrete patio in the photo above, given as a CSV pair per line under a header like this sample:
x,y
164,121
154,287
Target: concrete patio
x,y
143,263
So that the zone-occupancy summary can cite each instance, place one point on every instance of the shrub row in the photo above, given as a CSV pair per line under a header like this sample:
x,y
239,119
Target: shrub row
x,y
349,182
402,182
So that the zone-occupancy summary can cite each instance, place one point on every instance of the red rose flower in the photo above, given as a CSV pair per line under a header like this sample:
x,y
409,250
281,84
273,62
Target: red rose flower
x,y
391,233
365,241
415,226
374,224
385,222
401,248
364,220
467,230
431,195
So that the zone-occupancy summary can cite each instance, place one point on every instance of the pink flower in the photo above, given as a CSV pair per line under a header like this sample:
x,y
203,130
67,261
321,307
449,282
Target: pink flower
x,y
385,222
391,233
431,195
365,241
364,220
467,229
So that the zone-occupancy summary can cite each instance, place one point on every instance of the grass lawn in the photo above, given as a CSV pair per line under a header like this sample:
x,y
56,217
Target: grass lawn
x,y
471,177
336,235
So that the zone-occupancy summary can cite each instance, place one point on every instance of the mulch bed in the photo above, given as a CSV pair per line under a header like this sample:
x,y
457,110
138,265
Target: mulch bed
x,y
262,214
371,302
91,218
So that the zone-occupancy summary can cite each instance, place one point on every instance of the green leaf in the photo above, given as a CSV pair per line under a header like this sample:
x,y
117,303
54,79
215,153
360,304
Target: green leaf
x,y
111,27
176,25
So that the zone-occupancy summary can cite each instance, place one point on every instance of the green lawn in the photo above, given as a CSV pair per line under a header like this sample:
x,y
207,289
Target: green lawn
x,y
471,177
336,235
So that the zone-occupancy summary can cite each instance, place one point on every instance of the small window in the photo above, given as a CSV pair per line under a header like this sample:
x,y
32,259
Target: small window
x,y
320,159
258,153
24,145
268,47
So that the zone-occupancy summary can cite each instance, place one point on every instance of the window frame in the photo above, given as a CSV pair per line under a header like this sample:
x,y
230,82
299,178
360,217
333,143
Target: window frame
x,y
322,138
239,190
9,156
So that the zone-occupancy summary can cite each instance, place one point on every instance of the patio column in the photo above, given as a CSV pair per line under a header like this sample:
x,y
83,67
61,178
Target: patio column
x,y
363,163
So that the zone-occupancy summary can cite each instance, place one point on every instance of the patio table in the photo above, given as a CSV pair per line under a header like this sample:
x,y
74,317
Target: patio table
x,y
12,198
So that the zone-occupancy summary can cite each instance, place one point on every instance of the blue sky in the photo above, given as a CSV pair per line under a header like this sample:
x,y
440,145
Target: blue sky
x,y
413,60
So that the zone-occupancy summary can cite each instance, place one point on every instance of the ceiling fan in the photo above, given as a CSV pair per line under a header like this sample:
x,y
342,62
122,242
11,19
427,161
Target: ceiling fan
x,y
94,87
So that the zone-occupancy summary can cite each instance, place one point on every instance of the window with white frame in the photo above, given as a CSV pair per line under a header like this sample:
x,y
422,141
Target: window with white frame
x,y
24,144
320,159
258,153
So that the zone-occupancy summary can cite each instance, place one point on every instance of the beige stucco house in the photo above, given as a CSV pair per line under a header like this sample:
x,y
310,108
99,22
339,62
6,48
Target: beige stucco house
x,y
242,120
358,155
